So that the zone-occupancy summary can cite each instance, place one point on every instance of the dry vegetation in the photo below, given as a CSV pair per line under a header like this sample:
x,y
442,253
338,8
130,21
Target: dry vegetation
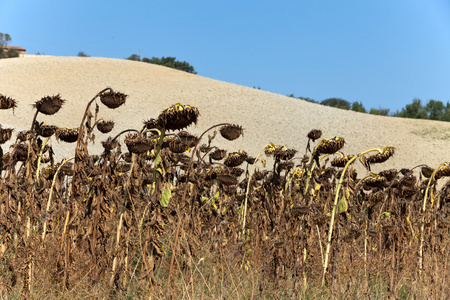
x,y
168,214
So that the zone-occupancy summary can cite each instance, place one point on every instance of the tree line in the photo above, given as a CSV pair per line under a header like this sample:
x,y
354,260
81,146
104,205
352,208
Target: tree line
x,y
432,110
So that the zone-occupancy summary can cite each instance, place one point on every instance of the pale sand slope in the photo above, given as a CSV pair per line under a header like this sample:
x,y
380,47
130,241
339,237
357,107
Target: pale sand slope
x,y
266,117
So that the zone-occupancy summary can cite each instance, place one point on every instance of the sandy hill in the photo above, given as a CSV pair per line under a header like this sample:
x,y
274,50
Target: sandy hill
x,y
266,117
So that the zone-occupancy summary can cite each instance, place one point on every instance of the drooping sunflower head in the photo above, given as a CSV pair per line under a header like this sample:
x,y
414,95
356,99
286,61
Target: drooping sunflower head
x,y
113,99
177,146
178,116
340,162
137,143
283,153
46,131
105,126
5,134
444,171
7,102
427,171
270,149
49,105
187,138
231,132
327,146
381,157
218,154
314,134
376,181
68,135
235,159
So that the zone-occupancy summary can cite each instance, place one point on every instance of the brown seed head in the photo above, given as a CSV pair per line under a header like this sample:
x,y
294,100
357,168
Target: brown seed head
x,y
178,116
137,143
67,135
235,159
270,149
177,146
427,171
46,130
314,134
231,132
340,162
443,172
381,157
327,146
113,99
7,102
49,105
284,153
5,134
105,126
218,154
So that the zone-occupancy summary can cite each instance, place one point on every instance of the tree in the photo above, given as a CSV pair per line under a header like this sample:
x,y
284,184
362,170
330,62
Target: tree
x,y
171,62
82,54
357,106
435,110
134,57
336,102
4,40
379,112
414,110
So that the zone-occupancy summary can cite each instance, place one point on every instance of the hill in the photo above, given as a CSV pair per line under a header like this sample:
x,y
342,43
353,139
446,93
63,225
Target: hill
x,y
266,117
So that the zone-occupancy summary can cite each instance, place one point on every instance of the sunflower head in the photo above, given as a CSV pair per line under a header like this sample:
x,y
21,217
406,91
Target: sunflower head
x,y
314,134
327,146
381,157
177,146
178,116
218,154
231,132
5,134
49,105
113,99
7,102
235,159
270,149
340,162
283,153
46,130
137,143
443,172
68,135
105,126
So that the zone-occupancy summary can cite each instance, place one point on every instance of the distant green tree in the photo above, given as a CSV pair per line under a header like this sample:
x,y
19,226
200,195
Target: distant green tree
x,y
4,40
336,102
134,57
12,53
380,111
172,62
415,110
358,106
82,54
435,110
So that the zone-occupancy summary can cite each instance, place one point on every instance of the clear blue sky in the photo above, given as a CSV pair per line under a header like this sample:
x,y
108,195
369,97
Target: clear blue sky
x,y
383,53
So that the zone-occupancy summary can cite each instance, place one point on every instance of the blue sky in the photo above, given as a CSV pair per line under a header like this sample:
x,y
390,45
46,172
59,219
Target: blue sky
x,y
382,53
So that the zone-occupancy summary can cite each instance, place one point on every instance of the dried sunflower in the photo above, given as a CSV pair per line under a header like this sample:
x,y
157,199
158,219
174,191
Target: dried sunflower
x,y
187,138
283,153
218,154
137,143
49,105
381,157
231,131
314,134
105,126
67,135
376,181
7,102
113,99
47,130
270,149
327,146
177,146
5,134
21,152
227,179
178,116
427,171
340,162
443,172
235,159
389,174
